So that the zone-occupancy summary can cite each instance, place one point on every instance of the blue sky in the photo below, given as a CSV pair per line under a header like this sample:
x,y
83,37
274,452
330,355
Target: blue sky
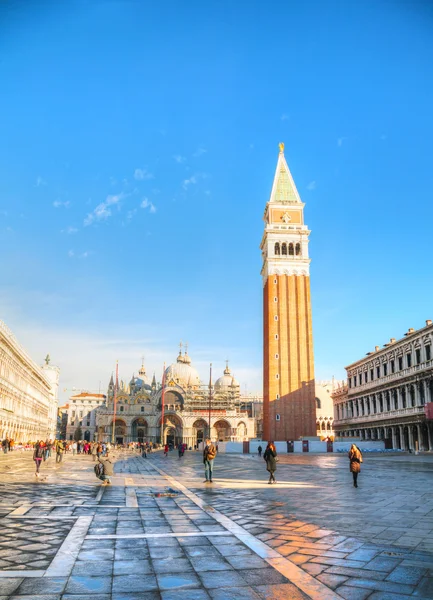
x,y
138,143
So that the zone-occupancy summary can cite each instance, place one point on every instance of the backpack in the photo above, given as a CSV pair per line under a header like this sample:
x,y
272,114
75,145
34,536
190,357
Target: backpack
x,y
99,470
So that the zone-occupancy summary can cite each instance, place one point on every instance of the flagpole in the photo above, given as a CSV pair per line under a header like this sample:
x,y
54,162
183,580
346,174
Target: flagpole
x,y
115,402
162,407
210,397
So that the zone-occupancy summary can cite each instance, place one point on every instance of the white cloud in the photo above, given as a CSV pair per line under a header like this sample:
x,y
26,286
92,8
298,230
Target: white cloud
x,y
40,181
200,151
85,254
146,203
284,117
71,230
179,159
141,174
59,203
311,186
191,181
103,210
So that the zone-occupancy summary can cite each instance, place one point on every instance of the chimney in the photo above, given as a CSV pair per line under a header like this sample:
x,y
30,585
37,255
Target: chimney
x,y
409,331
428,322
392,340
376,348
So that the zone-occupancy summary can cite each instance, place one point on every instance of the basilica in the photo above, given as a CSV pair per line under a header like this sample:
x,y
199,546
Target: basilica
x,y
135,409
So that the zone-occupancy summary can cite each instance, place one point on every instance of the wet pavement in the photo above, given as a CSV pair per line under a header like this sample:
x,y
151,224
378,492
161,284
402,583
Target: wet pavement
x,y
312,535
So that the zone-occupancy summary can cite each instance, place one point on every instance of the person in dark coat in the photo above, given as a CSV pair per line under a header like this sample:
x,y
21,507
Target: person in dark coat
x,y
270,457
38,455
259,450
355,457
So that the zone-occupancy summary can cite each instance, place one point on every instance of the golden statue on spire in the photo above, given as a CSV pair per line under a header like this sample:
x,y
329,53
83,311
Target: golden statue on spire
x,y
281,144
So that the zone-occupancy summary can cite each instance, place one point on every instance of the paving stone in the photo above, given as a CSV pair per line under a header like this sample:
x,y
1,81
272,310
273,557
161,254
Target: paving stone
x,y
424,588
332,581
189,594
238,593
283,591
247,562
103,554
201,563
134,583
8,585
351,593
263,577
409,575
381,563
215,579
93,568
384,586
178,581
132,567
46,585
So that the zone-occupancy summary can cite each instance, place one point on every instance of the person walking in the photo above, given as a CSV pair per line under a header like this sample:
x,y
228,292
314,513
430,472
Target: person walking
x,y
166,450
270,457
59,451
355,457
74,448
107,463
260,450
38,455
209,454
94,451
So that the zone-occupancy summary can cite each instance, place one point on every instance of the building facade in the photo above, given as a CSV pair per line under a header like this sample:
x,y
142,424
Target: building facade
x,y
81,414
135,410
28,393
288,364
324,409
388,392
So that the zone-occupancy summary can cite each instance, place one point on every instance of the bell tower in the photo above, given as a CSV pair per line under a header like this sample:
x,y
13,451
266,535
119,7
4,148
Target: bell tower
x,y
289,408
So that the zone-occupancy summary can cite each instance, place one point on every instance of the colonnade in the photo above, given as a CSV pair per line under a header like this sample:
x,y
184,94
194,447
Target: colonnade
x,y
399,436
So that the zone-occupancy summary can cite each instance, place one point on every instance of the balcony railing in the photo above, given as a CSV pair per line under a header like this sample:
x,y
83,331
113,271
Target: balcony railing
x,y
392,377
392,414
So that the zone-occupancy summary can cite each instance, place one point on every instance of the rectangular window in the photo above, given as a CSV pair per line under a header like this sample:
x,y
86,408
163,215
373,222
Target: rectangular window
x,y
418,356
371,374
365,376
428,352
400,363
409,360
385,369
73,414
88,423
392,366
350,382
354,381
378,372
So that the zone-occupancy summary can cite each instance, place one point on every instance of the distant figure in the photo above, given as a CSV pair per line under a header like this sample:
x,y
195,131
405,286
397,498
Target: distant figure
x,y
59,451
166,450
270,457
108,469
355,457
38,455
260,450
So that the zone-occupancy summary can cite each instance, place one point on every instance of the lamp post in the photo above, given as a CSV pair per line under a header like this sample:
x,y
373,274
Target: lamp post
x,y
210,398
162,405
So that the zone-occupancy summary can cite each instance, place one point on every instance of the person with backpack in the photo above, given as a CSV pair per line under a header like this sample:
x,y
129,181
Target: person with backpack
x,y
107,473
209,454
38,455
270,457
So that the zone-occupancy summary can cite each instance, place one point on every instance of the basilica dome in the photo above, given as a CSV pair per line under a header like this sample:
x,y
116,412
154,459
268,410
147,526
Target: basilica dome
x,y
227,382
182,373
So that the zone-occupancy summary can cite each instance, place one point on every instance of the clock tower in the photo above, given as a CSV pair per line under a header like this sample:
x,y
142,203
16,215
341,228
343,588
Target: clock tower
x,y
289,409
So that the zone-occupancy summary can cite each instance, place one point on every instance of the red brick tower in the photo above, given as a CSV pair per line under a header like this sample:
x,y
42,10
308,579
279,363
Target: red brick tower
x,y
289,409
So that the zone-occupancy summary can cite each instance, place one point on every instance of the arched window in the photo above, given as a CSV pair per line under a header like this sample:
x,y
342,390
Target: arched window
x,y
318,403
298,249
277,248
284,249
291,252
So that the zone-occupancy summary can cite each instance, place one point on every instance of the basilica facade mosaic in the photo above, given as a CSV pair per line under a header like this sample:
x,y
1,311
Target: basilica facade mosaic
x,y
187,405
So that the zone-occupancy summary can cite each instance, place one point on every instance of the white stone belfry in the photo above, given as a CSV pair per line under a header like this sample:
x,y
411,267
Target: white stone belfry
x,y
285,240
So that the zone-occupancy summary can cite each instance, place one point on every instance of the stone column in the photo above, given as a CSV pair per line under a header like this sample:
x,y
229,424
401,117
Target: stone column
x,y
420,438
402,440
411,442
394,438
430,437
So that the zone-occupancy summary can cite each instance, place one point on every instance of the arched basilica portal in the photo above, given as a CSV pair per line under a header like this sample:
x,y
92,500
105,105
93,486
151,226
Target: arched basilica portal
x,y
186,408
